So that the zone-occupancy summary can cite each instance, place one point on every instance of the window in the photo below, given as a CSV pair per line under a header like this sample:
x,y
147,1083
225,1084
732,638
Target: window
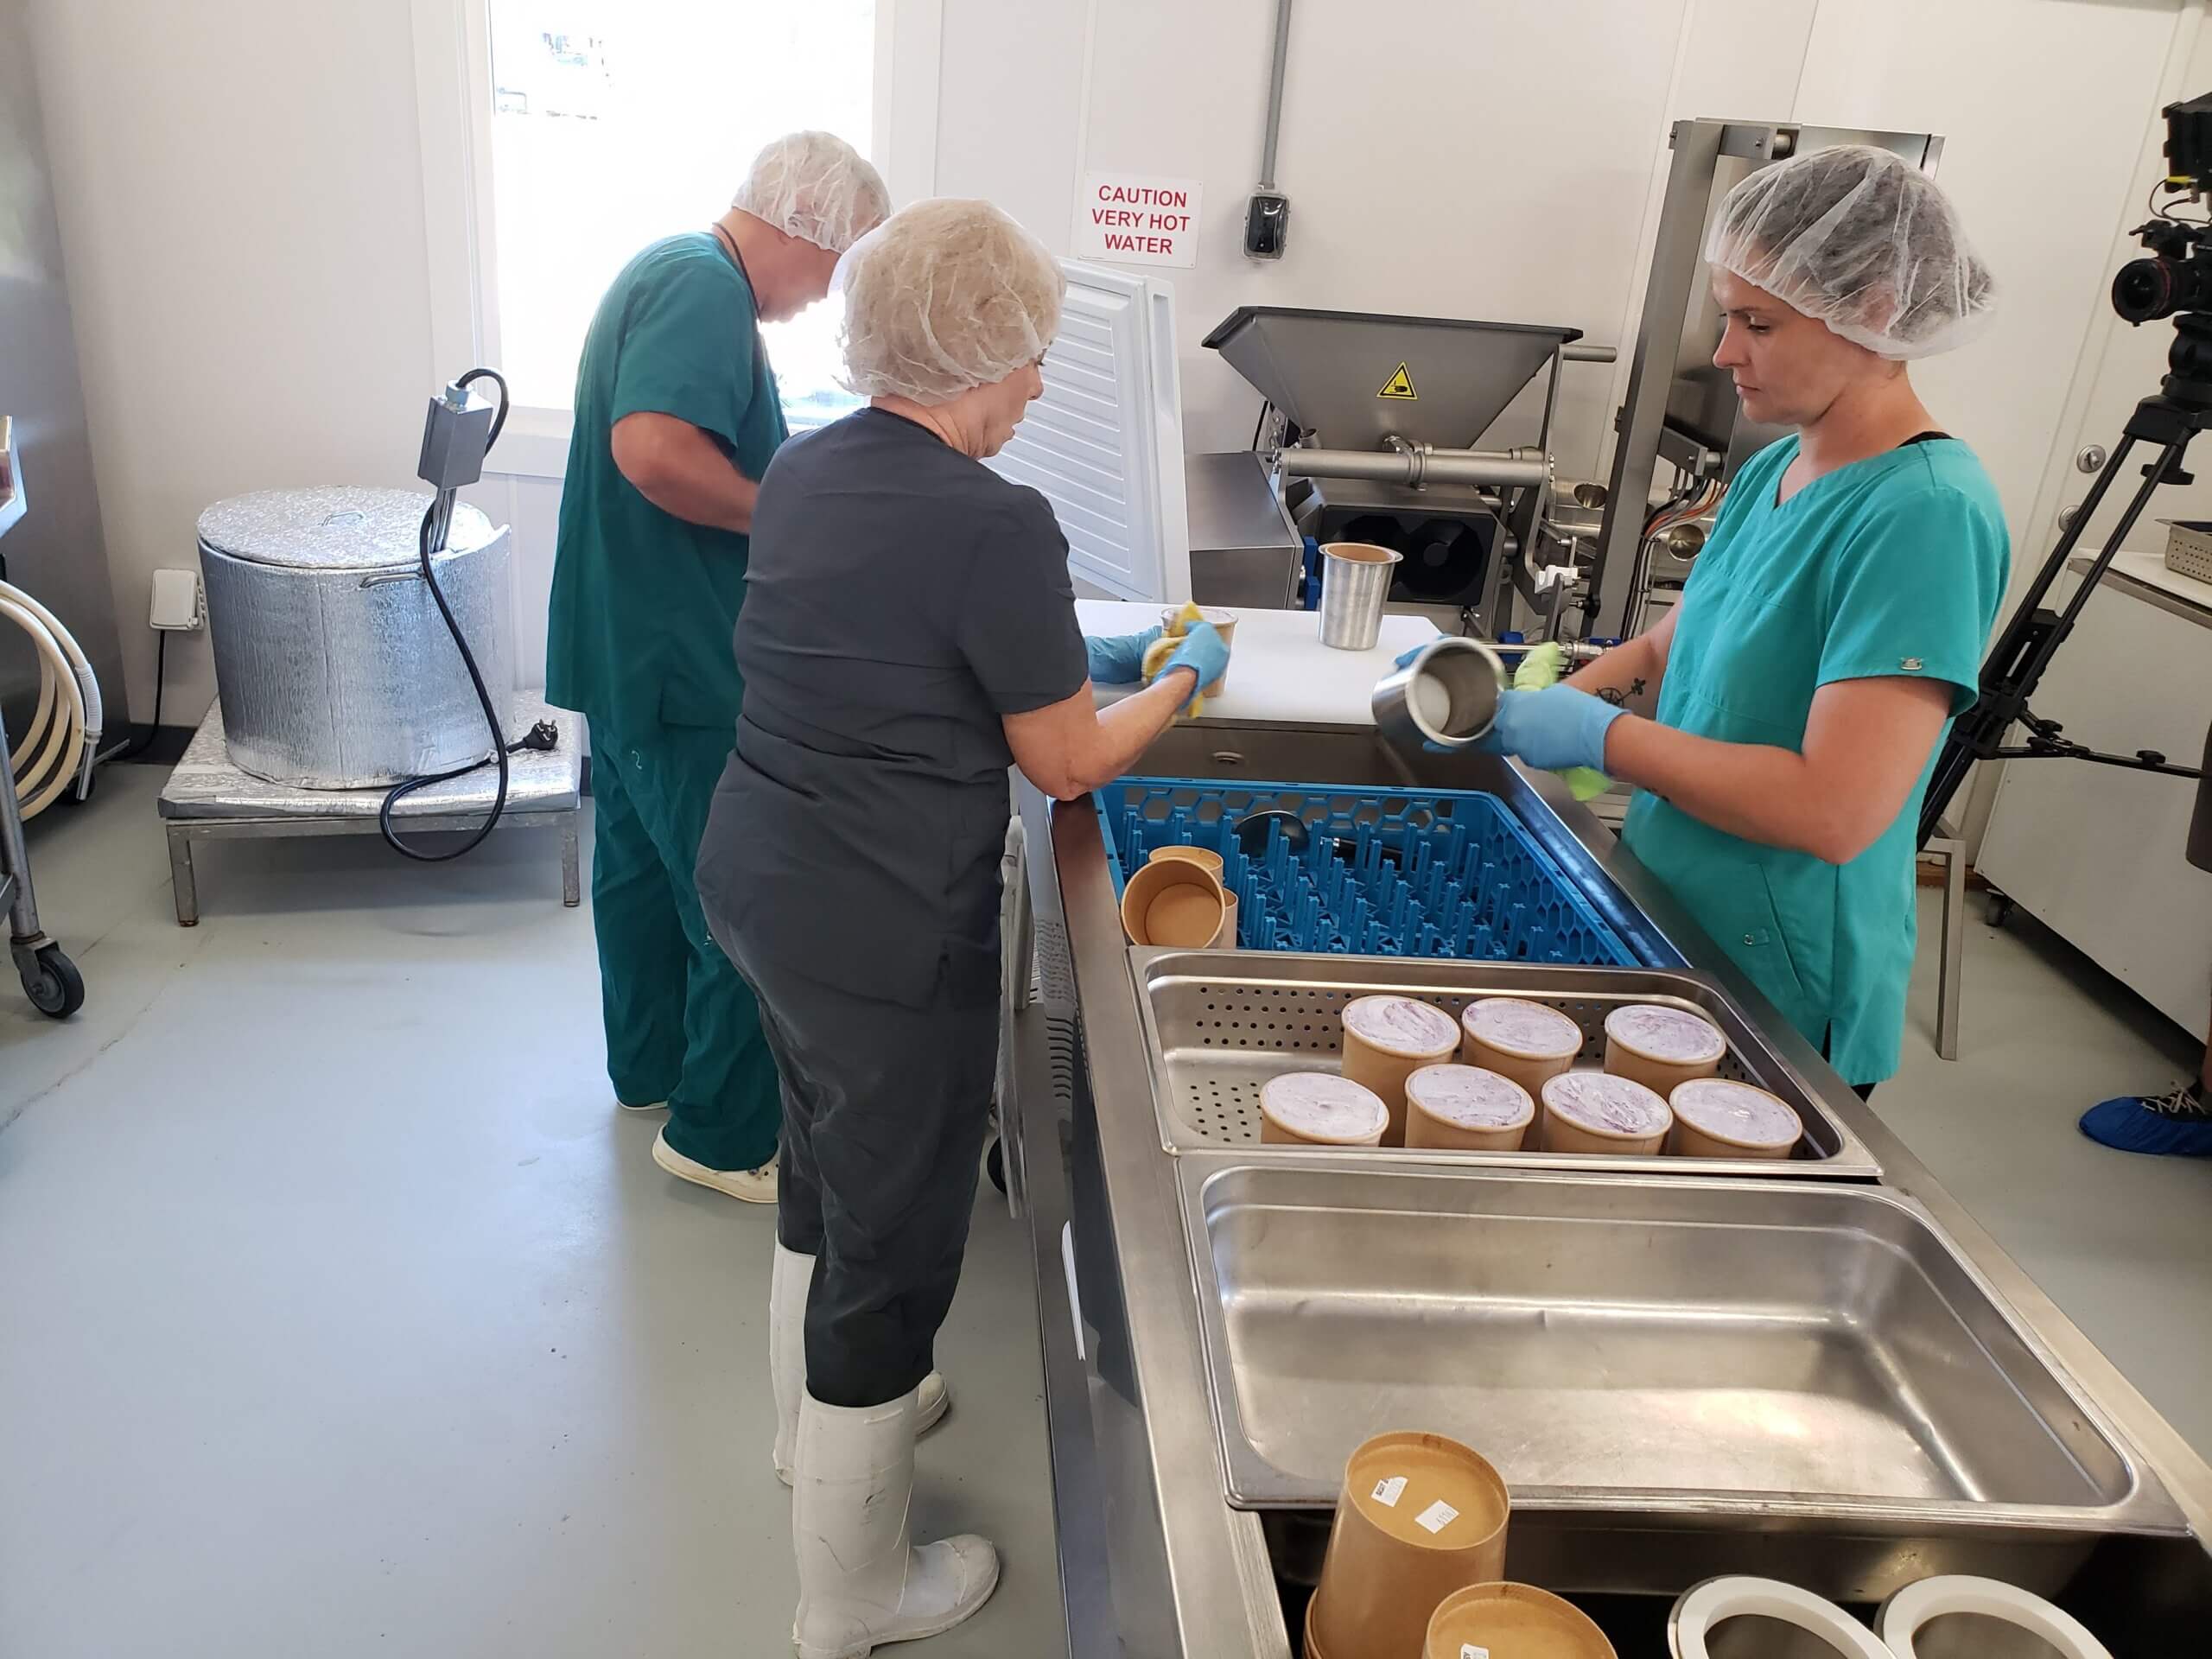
x,y
586,129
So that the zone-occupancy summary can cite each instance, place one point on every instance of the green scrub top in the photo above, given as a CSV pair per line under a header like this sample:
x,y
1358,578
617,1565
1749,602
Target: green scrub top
x,y
1894,565
643,602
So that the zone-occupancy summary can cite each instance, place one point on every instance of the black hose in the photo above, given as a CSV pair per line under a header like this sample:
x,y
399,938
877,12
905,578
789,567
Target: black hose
x,y
436,518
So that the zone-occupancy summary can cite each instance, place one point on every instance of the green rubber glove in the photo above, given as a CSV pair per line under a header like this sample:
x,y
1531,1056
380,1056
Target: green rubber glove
x,y
1542,665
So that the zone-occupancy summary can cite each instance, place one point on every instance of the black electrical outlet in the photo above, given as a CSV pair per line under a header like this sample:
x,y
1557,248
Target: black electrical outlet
x,y
1267,224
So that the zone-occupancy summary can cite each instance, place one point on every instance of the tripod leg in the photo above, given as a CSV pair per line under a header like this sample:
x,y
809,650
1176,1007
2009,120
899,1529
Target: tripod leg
x,y
2029,640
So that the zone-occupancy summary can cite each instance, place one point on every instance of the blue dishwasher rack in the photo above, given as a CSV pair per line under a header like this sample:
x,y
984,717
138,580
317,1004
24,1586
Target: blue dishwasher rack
x,y
1448,873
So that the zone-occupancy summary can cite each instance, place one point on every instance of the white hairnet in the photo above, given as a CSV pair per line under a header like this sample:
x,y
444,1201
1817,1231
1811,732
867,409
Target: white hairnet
x,y
816,186
1864,241
943,296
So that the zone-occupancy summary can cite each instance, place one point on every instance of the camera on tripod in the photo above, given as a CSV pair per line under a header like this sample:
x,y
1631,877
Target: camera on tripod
x,y
2175,280
2177,276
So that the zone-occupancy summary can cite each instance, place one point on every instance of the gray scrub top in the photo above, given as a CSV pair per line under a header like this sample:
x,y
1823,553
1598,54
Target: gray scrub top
x,y
900,599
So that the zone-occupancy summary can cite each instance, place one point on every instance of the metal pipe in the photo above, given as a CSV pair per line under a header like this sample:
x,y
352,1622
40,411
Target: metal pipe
x,y
1413,465
1579,353
1275,95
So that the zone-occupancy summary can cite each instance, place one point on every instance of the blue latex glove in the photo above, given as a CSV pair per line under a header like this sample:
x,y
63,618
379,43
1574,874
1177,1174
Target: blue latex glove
x,y
1552,729
1118,659
1203,649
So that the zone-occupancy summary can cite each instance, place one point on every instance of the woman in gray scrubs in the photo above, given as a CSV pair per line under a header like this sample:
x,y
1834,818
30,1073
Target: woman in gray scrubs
x,y
908,631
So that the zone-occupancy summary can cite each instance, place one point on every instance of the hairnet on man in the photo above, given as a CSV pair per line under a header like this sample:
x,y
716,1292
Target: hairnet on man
x,y
677,419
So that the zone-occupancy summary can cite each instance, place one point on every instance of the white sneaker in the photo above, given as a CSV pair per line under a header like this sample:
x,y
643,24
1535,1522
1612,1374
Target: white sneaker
x,y
861,1582
753,1185
788,1282
640,1111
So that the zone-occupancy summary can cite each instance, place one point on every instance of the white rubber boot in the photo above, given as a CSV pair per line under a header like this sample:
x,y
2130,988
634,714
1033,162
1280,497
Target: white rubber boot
x,y
787,1285
861,1581
788,1282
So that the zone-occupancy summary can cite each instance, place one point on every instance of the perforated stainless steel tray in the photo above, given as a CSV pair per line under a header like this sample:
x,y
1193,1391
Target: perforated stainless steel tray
x,y
1220,1023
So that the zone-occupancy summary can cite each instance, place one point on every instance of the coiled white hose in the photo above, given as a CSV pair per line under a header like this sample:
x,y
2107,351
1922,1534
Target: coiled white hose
x,y
65,730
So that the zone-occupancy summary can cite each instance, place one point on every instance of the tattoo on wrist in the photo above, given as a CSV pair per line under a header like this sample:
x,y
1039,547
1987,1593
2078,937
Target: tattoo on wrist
x,y
1635,688
1615,696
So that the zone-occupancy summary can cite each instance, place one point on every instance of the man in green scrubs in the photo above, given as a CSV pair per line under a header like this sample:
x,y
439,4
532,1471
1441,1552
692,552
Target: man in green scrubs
x,y
676,418
1835,623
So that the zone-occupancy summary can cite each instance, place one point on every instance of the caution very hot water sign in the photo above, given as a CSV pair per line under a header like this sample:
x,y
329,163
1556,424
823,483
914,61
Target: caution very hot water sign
x,y
1136,219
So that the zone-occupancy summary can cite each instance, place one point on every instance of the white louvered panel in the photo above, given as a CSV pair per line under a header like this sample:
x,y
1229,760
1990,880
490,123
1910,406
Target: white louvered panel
x,y
1104,444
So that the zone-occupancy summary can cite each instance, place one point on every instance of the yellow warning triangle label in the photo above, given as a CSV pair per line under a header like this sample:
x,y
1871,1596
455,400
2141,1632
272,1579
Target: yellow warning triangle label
x,y
1400,385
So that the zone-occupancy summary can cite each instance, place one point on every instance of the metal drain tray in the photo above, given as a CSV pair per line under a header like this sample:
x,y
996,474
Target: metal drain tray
x,y
1219,1024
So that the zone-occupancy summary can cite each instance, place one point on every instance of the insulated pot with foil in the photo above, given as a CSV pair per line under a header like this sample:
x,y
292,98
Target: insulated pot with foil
x,y
334,669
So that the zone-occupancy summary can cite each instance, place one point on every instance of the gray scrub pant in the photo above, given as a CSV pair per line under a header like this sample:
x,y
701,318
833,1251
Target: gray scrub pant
x,y
885,1107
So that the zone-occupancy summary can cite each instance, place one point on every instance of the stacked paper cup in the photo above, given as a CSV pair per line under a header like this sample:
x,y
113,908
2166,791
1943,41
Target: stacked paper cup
x,y
1420,1516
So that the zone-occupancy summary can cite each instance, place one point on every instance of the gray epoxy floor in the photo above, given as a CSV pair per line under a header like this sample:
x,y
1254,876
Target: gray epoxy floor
x,y
338,1314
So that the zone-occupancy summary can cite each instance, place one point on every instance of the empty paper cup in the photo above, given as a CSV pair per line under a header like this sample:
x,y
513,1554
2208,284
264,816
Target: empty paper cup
x,y
1224,624
1205,855
1419,1517
1660,1047
1512,1621
1525,1041
1355,581
1465,1109
1736,1615
1596,1111
1958,1614
1175,902
1320,1109
1386,1039
1719,1117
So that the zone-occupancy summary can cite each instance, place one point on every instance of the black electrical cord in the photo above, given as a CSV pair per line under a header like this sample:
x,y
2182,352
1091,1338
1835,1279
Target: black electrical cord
x,y
436,518
139,745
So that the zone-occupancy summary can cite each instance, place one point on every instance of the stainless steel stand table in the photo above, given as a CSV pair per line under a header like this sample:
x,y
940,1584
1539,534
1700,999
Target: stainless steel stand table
x,y
207,798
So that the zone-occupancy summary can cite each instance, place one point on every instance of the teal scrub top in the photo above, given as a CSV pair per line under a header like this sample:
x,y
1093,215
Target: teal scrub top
x,y
1894,565
643,602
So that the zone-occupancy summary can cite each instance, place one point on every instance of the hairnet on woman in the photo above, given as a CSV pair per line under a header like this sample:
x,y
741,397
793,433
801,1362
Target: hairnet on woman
x,y
908,632
1835,622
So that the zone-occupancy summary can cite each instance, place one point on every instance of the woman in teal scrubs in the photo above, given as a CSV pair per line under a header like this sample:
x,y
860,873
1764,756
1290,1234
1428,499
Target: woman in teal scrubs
x,y
1835,623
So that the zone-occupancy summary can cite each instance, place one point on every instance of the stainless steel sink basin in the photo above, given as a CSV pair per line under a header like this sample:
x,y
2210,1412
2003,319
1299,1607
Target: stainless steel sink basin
x,y
1767,1346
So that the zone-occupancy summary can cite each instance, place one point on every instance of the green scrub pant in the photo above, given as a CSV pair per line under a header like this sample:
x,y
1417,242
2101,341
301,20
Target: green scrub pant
x,y
681,1026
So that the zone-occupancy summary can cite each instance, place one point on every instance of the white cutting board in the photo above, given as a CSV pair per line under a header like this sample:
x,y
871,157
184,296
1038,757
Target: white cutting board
x,y
1278,667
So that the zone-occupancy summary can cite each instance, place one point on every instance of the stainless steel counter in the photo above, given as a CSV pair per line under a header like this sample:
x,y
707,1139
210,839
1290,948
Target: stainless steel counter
x,y
2068,1484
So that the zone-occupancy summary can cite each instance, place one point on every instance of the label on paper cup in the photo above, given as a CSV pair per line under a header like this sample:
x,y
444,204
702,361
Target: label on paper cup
x,y
1437,1517
1469,1651
1388,1492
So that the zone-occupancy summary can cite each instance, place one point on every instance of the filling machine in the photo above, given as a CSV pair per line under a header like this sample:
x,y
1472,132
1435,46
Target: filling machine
x,y
1367,434
1819,1370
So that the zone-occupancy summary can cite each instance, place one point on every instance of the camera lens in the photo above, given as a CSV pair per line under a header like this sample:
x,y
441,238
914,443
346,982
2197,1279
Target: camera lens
x,y
2143,290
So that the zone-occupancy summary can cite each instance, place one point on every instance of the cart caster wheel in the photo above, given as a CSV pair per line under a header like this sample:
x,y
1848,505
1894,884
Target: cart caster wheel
x,y
994,1166
56,987
1997,910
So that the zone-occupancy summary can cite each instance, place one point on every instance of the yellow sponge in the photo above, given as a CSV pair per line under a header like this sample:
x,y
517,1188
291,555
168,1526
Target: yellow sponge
x,y
1156,655
1541,666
